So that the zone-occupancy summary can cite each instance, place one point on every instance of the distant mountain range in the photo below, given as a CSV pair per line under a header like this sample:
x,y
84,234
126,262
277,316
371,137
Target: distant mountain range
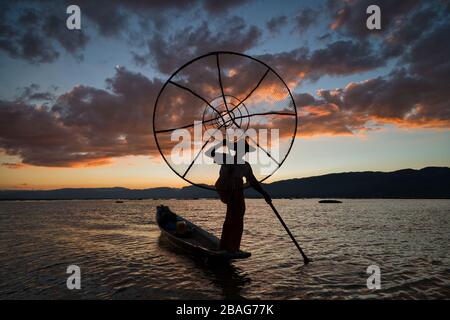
x,y
429,182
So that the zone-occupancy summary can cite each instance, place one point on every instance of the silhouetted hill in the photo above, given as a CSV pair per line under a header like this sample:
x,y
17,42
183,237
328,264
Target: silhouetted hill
x,y
430,182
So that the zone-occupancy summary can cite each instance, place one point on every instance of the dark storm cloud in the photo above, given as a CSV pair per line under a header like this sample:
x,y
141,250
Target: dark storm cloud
x,y
169,52
276,23
305,18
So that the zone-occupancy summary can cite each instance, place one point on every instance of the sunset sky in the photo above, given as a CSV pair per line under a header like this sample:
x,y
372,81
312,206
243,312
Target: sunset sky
x,y
76,105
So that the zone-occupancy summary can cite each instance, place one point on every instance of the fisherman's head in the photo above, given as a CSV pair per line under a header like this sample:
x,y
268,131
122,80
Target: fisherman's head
x,y
241,148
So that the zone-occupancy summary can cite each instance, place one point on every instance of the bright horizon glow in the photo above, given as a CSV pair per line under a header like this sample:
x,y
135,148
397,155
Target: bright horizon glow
x,y
390,149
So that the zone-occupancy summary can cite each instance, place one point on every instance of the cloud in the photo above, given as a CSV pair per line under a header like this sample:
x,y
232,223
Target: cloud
x,y
390,100
416,95
276,23
85,126
37,33
349,17
34,134
304,99
410,29
189,42
73,41
33,93
320,116
344,57
115,16
325,37
351,48
305,18
30,46
12,165
338,58
221,7
90,126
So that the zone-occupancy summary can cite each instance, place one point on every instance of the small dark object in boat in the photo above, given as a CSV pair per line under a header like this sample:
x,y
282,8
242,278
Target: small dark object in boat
x,y
196,241
330,201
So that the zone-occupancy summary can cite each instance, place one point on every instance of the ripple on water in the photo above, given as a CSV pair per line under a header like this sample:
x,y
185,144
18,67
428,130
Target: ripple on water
x,y
119,250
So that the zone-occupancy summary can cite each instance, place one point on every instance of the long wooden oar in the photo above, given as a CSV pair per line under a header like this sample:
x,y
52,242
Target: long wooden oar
x,y
305,258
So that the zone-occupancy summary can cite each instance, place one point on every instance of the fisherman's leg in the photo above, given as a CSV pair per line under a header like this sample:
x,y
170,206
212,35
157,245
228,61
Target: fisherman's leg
x,y
238,223
233,226
227,231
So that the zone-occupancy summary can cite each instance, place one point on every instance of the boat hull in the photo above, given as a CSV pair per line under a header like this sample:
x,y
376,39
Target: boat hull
x,y
199,242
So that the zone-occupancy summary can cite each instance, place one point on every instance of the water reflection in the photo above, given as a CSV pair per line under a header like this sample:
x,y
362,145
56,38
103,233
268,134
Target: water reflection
x,y
230,279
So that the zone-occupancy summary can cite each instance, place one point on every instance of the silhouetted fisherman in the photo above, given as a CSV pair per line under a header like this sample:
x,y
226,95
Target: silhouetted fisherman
x,y
230,186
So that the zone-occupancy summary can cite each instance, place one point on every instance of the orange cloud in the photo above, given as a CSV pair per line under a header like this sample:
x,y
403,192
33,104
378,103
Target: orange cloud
x,y
13,165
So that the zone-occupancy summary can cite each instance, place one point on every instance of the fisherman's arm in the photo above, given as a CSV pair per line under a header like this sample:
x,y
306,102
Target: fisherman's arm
x,y
257,186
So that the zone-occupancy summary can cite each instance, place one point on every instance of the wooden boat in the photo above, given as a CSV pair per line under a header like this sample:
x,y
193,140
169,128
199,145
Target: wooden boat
x,y
330,201
196,241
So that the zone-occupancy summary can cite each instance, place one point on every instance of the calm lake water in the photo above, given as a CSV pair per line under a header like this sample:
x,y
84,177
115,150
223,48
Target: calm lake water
x,y
121,256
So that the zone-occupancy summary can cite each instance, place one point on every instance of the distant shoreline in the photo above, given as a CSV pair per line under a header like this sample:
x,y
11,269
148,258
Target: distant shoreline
x,y
426,183
195,199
